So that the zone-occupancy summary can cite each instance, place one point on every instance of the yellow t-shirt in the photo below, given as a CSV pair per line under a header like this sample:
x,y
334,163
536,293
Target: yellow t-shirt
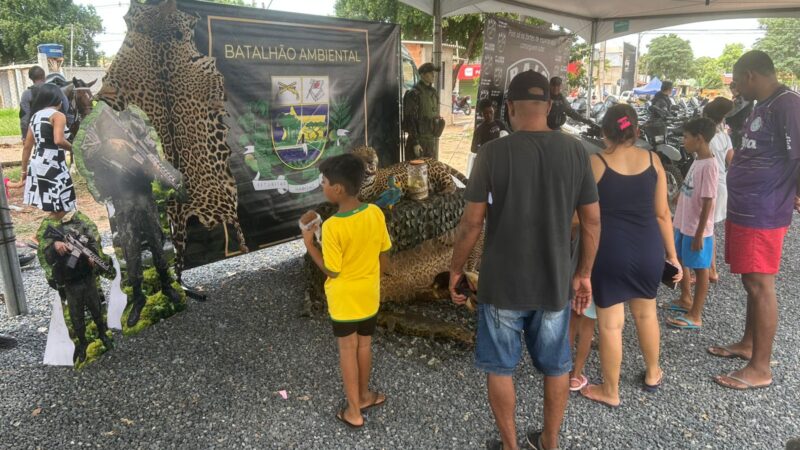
x,y
351,246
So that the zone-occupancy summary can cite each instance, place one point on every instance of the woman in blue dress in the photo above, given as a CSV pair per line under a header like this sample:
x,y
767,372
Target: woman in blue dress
x,y
635,240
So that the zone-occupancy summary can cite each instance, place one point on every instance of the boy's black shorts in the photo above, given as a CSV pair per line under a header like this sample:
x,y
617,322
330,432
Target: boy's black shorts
x,y
364,327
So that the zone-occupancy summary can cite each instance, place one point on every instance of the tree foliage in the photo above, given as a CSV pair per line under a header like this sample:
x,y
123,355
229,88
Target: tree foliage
x,y
24,24
579,53
708,72
465,30
669,58
782,42
730,54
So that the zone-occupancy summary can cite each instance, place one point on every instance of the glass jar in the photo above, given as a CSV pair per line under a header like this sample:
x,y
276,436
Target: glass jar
x,y
417,186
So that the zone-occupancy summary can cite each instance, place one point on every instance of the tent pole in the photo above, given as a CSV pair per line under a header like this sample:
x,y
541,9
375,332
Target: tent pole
x,y
437,60
13,289
592,42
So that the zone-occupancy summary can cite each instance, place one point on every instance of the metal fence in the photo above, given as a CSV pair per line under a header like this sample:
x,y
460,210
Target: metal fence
x,y
14,80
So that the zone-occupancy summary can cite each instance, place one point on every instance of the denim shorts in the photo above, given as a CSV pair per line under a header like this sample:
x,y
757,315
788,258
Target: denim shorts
x,y
501,332
690,258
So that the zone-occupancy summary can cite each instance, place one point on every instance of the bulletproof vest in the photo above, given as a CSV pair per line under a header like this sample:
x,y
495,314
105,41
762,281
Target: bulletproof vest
x,y
429,101
429,121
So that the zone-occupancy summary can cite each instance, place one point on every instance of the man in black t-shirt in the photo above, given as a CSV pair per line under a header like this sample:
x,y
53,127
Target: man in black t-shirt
x,y
561,108
528,186
490,128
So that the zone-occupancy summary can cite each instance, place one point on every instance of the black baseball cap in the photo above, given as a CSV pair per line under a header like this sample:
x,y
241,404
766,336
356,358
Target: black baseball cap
x,y
520,86
427,67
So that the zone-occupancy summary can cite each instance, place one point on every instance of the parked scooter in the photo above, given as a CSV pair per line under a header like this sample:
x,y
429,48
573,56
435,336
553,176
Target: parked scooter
x,y
462,104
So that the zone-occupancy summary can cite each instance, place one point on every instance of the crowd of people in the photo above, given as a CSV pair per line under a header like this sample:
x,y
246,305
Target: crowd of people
x,y
527,208
570,239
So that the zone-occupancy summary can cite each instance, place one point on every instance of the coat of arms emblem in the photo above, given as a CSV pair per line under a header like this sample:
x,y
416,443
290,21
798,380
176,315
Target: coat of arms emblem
x,y
299,119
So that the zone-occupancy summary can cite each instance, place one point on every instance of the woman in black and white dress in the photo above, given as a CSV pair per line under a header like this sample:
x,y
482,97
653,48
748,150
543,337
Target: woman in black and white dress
x,y
48,185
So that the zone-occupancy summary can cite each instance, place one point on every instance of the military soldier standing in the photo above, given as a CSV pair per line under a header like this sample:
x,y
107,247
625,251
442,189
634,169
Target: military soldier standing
x,y
421,118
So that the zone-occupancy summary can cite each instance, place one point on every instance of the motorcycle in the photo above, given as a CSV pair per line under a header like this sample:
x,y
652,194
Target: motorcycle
x,y
579,105
462,104
599,109
666,142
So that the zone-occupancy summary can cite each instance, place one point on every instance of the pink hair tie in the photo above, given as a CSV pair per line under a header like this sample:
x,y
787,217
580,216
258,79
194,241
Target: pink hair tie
x,y
624,123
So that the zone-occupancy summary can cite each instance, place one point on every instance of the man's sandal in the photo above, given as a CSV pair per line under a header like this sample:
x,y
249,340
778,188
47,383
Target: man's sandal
x,y
744,384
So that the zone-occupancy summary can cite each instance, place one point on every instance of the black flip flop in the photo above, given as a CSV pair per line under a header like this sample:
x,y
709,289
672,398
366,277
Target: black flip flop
x,y
340,418
376,402
652,387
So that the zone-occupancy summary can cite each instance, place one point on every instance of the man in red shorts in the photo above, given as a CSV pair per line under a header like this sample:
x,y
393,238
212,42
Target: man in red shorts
x,y
762,192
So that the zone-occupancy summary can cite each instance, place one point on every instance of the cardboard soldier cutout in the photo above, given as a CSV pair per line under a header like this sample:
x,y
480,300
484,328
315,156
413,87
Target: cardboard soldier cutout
x,y
69,252
118,154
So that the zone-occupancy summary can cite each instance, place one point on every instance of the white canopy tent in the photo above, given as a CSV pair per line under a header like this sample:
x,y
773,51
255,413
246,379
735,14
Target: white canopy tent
x,y
600,20
608,19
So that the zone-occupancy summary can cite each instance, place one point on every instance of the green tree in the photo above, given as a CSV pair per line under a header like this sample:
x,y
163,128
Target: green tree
x,y
730,54
26,23
465,30
669,58
708,72
415,24
782,42
578,53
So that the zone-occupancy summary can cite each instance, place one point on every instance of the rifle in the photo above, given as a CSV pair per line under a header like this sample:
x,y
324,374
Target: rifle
x,y
132,151
77,248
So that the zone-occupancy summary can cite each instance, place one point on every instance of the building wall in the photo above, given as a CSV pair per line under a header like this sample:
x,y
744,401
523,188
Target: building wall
x,y
422,52
14,80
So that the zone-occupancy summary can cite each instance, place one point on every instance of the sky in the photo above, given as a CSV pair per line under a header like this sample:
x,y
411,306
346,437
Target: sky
x,y
706,38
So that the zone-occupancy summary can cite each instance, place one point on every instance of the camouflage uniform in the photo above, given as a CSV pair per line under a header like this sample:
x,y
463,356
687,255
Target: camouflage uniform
x,y
78,285
420,114
108,152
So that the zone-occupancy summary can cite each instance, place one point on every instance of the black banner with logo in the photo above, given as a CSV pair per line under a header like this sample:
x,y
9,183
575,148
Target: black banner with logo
x,y
628,67
511,47
298,89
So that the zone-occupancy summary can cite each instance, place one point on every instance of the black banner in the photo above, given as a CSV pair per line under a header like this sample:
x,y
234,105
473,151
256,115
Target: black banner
x,y
628,67
298,89
511,47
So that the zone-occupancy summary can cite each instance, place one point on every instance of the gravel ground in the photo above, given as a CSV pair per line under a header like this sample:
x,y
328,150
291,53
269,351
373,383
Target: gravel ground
x,y
209,378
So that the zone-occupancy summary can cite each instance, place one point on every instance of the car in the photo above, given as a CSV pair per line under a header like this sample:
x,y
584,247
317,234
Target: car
x,y
627,97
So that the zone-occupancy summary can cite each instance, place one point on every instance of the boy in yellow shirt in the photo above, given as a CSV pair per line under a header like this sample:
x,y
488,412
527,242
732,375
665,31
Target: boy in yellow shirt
x,y
355,245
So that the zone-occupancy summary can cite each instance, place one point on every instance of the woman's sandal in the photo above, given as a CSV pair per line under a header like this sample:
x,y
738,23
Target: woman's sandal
x,y
578,383
340,417
378,400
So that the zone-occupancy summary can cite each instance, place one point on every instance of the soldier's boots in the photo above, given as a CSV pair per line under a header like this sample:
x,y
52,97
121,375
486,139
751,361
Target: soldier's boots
x,y
169,291
107,342
79,355
139,301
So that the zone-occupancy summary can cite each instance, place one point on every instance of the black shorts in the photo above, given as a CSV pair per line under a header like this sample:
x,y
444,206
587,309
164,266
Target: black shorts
x,y
364,327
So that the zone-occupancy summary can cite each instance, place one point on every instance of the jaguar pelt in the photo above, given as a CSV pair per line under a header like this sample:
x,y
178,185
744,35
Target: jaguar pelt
x,y
160,70
440,175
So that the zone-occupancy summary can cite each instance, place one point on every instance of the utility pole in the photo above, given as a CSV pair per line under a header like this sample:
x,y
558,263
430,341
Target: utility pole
x,y
437,61
636,62
71,45
13,290
602,70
